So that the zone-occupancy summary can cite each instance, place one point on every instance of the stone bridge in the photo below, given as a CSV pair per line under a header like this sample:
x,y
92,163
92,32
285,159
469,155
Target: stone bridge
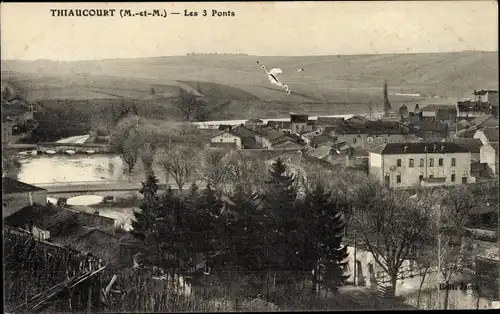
x,y
101,188
61,147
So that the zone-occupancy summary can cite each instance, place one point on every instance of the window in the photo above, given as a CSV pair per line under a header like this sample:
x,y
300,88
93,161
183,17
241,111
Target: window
x,y
387,179
42,235
399,163
398,178
221,140
421,162
453,162
431,162
440,162
464,180
431,174
354,140
453,176
411,163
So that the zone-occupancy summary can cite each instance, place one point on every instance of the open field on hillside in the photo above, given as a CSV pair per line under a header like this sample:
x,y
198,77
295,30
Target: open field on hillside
x,y
328,84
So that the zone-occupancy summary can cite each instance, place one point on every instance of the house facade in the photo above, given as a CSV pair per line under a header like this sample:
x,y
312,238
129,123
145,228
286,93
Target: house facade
x,y
485,96
17,195
489,155
226,137
406,165
299,123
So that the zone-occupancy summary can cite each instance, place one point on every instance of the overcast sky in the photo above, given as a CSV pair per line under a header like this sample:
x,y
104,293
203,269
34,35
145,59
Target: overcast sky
x,y
28,31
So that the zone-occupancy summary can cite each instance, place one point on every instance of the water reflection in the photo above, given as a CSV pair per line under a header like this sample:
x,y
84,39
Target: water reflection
x,y
45,169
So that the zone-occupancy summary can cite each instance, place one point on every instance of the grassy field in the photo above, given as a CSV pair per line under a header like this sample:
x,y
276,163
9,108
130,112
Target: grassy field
x,y
328,84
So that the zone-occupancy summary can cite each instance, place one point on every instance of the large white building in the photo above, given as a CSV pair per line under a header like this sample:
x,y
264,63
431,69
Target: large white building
x,y
406,165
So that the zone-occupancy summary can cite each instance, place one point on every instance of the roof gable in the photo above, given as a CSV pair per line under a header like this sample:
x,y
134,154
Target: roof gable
x,y
419,148
10,186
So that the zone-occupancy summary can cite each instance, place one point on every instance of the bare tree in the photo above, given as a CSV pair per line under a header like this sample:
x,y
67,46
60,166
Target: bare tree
x,y
250,173
179,162
214,169
454,246
125,141
189,105
390,224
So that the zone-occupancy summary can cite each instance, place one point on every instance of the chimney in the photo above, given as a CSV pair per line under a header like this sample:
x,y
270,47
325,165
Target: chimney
x,y
406,149
31,198
434,146
442,148
425,148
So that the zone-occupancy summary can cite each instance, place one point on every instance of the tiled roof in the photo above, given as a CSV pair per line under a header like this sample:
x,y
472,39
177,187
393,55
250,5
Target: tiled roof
x,y
320,152
10,186
249,143
419,148
320,139
435,107
35,214
472,144
491,133
372,127
240,131
287,145
255,121
224,127
59,218
484,92
279,124
329,121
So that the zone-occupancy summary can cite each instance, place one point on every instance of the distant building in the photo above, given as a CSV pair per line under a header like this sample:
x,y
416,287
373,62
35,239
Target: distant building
x,y
405,165
284,126
443,113
485,96
17,195
489,151
481,102
430,129
236,136
371,134
254,124
7,126
269,138
17,119
298,123
330,154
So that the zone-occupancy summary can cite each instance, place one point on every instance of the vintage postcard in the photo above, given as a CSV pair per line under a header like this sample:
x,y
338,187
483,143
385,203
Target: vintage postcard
x,y
250,156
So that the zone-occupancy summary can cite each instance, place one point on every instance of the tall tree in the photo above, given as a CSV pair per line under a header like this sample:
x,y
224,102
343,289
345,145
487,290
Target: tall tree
x,y
322,232
205,224
390,225
189,105
144,223
280,205
179,162
214,170
173,232
243,229
387,104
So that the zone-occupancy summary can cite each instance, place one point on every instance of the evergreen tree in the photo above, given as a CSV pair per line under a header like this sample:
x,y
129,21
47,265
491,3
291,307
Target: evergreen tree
x,y
172,231
281,216
387,104
322,231
144,223
244,230
205,224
